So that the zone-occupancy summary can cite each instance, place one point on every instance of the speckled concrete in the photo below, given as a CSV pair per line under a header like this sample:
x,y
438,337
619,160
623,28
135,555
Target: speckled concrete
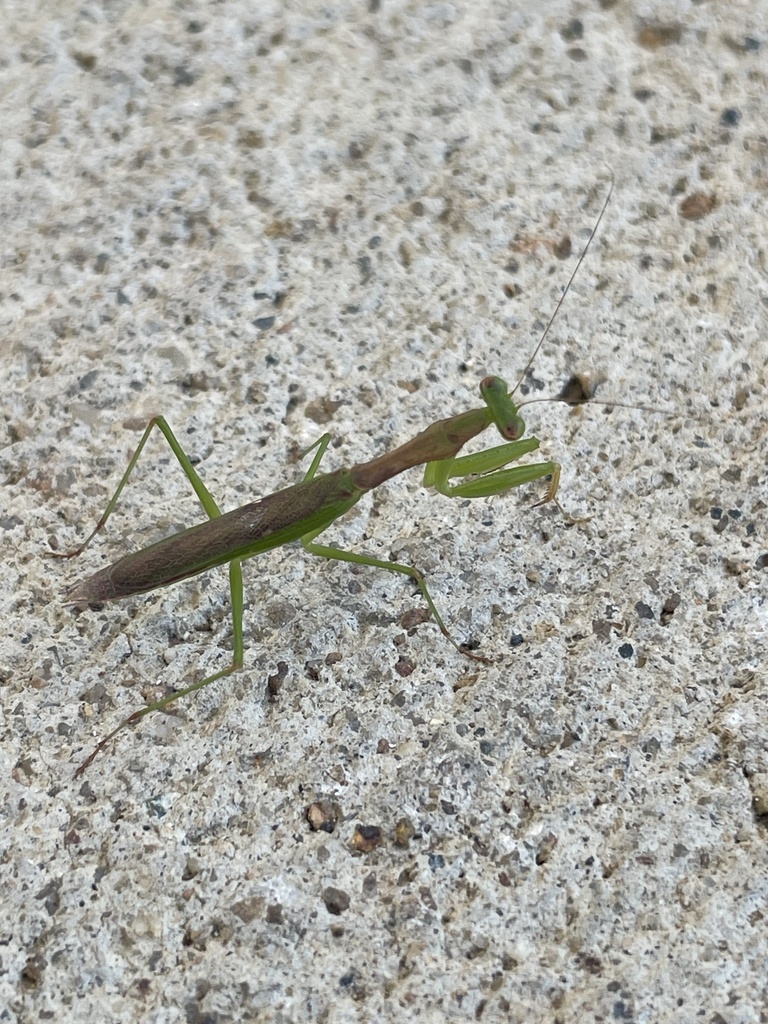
x,y
268,223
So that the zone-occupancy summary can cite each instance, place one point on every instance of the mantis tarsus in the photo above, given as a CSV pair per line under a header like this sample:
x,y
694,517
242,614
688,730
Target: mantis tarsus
x,y
303,511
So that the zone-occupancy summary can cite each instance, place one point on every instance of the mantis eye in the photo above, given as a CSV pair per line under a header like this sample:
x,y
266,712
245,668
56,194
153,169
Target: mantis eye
x,y
514,429
493,387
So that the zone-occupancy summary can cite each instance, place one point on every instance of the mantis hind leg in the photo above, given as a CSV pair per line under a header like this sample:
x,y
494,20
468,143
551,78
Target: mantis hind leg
x,y
236,592
235,571
235,574
207,500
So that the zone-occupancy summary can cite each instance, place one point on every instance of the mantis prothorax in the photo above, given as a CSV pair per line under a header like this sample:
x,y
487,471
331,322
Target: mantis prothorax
x,y
303,511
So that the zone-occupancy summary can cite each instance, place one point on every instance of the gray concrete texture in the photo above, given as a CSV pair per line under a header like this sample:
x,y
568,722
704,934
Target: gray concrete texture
x,y
271,220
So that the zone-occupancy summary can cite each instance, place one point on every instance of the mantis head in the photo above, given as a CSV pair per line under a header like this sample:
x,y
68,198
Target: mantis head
x,y
501,407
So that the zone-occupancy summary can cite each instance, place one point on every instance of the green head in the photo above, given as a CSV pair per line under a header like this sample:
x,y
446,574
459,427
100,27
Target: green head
x,y
502,408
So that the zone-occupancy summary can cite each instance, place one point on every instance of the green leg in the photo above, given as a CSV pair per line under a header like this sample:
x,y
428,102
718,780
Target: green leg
x,y
235,575
235,571
337,554
323,551
321,444
236,592
206,498
488,476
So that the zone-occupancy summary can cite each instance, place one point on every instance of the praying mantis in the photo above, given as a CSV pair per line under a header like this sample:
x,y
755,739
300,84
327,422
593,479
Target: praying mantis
x,y
304,510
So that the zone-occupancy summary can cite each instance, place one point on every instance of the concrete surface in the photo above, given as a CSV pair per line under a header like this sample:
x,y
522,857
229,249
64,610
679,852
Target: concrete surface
x,y
270,220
